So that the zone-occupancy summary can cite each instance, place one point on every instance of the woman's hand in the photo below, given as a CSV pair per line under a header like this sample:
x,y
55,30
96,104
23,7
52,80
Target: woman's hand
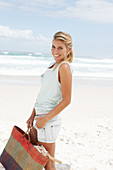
x,y
30,121
41,121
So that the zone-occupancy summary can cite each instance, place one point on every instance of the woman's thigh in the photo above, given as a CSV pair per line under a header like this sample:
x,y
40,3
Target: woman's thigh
x,y
50,147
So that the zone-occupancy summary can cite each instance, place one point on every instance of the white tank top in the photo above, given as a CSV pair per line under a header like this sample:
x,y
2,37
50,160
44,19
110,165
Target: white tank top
x,y
50,92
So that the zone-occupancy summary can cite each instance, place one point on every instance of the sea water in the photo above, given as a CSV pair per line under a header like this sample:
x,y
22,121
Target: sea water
x,y
35,64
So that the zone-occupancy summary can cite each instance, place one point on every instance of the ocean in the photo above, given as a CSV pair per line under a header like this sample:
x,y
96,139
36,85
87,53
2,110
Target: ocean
x,y
34,64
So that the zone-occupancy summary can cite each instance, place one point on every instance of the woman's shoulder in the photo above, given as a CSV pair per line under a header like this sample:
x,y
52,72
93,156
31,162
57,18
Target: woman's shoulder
x,y
65,65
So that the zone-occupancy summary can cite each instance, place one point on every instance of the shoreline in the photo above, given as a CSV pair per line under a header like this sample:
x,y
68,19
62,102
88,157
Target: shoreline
x,y
76,81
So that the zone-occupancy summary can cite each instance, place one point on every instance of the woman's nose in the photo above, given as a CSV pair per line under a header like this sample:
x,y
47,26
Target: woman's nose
x,y
56,51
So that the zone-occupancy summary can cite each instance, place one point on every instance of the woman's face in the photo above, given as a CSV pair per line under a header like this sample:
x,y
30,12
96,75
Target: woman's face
x,y
59,50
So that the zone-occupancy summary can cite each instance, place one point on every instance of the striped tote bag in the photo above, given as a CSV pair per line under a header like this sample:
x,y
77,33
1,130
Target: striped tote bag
x,y
19,154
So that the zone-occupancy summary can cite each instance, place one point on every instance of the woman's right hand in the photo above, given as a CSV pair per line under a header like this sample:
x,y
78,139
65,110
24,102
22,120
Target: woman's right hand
x,y
31,119
30,122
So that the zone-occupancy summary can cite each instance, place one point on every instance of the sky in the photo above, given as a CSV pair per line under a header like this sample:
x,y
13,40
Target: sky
x,y
29,25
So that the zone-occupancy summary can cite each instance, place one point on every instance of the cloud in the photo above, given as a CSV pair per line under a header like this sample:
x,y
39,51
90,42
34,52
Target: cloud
x,y
24,40
41,7
43,3
6,5
92,10
7,33
97,10
43,38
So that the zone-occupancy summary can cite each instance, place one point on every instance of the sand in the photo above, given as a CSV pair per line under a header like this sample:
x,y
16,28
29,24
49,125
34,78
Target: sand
x,y
85,141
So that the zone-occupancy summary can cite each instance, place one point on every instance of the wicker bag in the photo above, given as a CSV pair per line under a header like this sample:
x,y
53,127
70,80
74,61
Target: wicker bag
x,y
20,154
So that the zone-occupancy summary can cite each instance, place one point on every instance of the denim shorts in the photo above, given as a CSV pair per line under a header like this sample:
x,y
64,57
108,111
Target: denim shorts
x,y
49,133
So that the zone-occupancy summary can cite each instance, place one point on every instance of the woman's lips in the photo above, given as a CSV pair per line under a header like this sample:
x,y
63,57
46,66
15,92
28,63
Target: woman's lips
x,y
56,56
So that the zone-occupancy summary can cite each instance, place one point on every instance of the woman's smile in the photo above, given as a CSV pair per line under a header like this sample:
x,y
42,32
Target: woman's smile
x,y
56,56
59,50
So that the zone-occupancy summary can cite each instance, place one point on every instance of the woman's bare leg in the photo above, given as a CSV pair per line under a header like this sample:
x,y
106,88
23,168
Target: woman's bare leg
x,y
50,147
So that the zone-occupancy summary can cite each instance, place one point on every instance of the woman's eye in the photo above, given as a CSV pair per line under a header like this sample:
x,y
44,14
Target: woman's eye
x,y
60,48
53,46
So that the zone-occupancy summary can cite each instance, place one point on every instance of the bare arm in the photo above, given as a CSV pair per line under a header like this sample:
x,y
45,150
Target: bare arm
x,y
30,120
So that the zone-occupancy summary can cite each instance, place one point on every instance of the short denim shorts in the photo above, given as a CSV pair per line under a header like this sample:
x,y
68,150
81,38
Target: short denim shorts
x,y
49,133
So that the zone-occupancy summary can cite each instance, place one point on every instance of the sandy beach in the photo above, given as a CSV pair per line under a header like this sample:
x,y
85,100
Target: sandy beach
x,y
85,141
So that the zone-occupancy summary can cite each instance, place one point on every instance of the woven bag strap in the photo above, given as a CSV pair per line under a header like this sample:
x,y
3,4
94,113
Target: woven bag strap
x,y
27,133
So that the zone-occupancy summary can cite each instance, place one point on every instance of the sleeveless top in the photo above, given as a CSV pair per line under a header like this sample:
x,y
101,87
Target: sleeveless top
x,y
50,92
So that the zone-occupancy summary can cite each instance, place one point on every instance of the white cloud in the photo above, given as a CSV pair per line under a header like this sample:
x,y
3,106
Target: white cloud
x,y
43,3
43,38
6,5
93,10
41,7
23,40
98,10
7,33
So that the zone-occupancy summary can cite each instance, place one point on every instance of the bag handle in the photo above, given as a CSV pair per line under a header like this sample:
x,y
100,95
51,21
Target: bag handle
x,y
53,159
28,133
42,149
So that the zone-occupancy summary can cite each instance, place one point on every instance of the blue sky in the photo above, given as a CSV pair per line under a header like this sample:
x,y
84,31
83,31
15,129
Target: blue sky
x,y
30,25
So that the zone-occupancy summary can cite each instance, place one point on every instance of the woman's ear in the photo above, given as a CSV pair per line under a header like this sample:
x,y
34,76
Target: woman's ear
x,y
69,50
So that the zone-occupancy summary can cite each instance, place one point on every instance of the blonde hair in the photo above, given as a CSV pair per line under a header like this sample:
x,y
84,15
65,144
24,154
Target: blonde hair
x,y
66,38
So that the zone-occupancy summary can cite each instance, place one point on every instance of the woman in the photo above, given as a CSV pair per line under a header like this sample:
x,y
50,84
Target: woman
x,y
54,95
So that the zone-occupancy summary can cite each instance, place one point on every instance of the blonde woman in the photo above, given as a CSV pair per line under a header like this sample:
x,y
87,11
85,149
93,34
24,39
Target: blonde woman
x,y
54,95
